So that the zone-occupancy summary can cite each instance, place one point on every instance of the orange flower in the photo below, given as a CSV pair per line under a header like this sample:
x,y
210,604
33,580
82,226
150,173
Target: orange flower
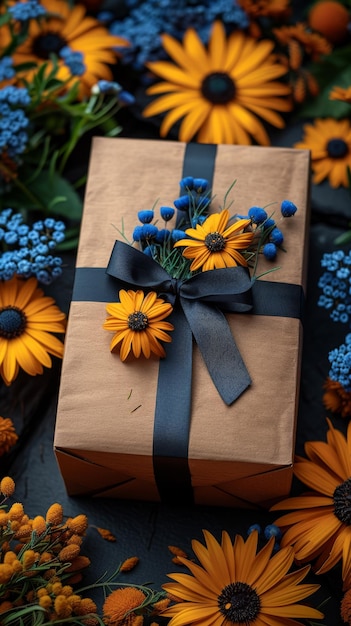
x,y
138,323
66,25
213,244
319,523
336,399
339,93
8,435
121,605
313,44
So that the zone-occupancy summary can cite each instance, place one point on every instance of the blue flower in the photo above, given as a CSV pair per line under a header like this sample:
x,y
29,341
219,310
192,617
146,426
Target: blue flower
x,y
200,185
24,11
187,183
340,360
6,68
166,213
271,530
257,215
270,251
288,208
106,87
182,203
254,527
146,216
178,234
276,236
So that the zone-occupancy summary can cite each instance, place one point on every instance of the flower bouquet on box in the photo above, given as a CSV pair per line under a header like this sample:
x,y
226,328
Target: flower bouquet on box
x,y
209,264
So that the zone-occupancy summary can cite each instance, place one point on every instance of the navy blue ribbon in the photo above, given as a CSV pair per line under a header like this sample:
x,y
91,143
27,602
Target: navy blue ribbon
x,y
197,304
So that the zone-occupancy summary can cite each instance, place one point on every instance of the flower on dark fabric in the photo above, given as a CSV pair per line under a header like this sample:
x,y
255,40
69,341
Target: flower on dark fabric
x,y
8,435
329,141
336,398
138,323
318,524
215,244
66,26
235,584
28,320
221,91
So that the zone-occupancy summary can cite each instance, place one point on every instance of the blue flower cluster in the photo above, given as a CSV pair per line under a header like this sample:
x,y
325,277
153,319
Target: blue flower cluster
x,y
271,234
340,360
13,120
74,60
335,284
6,68
148,19
271,530
24,11
27,251
191,206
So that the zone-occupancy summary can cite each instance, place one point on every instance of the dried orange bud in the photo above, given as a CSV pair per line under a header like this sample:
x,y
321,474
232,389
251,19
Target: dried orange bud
x,y
62,607
39,524
29,558
129,564
5,573
79,563
78,524
17,566
5,606
295,54
74,600
177,551
45,557
69,553
16,511
42,592
66,590
161,605
75,579
45,602
7,486
86,606
9,557
299,90
105,534
54,514
56,588
23,531
4,518
75,539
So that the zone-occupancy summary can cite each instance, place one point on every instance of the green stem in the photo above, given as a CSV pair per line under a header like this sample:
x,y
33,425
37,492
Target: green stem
x,y
22,187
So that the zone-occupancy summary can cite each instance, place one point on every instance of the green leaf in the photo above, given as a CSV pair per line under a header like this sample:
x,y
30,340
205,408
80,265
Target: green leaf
x,y
47,192
333,71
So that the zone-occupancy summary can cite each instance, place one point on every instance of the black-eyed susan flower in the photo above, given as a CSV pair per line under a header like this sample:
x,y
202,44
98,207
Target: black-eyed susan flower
x,y
28,320
138,323
329,141
318,525
215,244
235,584
67,27
219,92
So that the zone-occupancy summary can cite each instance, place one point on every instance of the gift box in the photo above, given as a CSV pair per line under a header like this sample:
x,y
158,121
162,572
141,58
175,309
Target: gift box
x,y
114,436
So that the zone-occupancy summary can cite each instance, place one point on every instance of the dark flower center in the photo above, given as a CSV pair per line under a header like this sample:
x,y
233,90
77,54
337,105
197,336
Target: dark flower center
x,y
342,502
239,603
218,88
137,321
12,322
49,43
337,148
215,242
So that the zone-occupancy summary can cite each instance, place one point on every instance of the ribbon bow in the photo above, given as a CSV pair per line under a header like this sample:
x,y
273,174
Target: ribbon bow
x,y
198,303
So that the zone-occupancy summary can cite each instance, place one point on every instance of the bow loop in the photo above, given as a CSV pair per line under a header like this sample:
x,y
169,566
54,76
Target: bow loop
x,y
201,298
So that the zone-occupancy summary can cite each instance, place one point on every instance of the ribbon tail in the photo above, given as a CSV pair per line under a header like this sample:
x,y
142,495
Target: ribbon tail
x,y
219,350
173,414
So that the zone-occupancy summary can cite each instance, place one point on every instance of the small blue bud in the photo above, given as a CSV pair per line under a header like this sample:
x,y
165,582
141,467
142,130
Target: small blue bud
x,y
288,208
257,215
270,251
182,203
166,212
146,217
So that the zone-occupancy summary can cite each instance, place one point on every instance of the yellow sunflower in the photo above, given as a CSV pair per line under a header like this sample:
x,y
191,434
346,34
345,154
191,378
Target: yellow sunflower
x,y
235,584
67,26
329,141
214,245
137,321
27,319
319,526
220,92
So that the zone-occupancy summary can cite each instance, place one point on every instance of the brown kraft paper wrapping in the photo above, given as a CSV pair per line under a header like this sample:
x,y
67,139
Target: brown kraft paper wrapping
x,y
239,455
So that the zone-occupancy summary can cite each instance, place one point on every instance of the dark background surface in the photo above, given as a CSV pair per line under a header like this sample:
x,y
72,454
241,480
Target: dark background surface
x,y
147,529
